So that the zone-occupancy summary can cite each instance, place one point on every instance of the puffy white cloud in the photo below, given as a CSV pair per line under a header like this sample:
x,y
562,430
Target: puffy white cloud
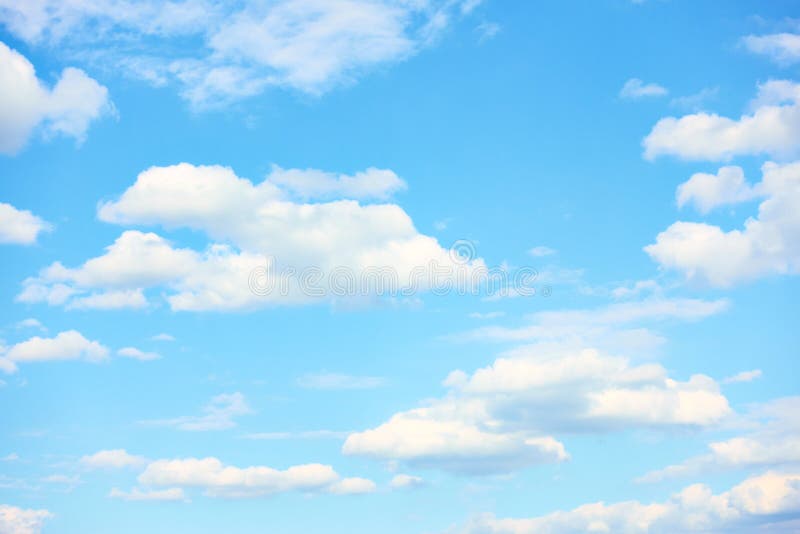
x,y
336,381
15,520
768,244
19,227
136,494
636,88
136,354
708,191
782,48
756,502
773,128
265,248
498,419
310,46
219,414
27,104
775,442
219,480
112,459
403,481
69,345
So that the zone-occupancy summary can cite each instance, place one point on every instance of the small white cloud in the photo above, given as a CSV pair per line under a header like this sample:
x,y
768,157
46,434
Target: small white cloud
x,y
636,88
12,457
486,315
136,354
782,48
15,520
336,381
163,337
27,105
487,30
19,227
136,494
31,323
112,459
352,486
315,184
708,191
69,345
110,300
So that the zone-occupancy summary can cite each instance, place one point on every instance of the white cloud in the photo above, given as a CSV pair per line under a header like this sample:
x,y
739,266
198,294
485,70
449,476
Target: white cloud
x,y
782,48
636,88
136,354
708,191
163,337
69,345
15,520
403,481
744,376
767,245
761,501
26,104
18,227
219,414
498,419
219,480
773,128
310,46
31,323
774,442
486,315
136,494
110,300
257,235
112,459
315,184
540,251
339,381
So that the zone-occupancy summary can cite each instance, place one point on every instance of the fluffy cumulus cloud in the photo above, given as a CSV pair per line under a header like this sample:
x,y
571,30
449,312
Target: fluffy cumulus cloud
x,y
27,104
310,46
768,244
770,500
19,227
782,48
636,88
501,417
771,128
68,345
265,248
219,414
773,443
220,480
15,520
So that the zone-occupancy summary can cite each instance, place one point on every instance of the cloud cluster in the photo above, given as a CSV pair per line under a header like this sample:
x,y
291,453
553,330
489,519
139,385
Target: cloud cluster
x,y
769,500
310,46
27,105
252,228
768,244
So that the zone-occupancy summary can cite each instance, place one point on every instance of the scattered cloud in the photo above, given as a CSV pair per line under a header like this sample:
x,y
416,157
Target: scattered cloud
x,y
697,101
540,251
219,480
636,88
709,191
402,481
307,184
744,376
782,48
219,414
163,337
18,227
112,459
136,354
136,494
768,500
487,31
486,315
28,106
30,323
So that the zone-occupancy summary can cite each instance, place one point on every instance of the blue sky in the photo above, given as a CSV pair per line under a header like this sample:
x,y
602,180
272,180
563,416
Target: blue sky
x,y
617,182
